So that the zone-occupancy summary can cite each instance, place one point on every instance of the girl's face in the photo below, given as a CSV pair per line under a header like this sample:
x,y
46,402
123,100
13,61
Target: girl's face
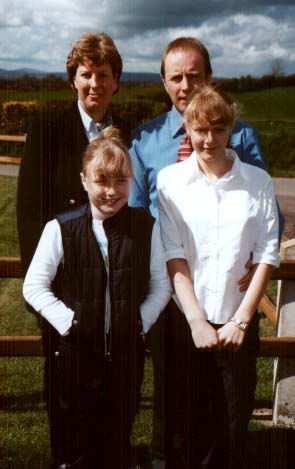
x,y
209,141
107,195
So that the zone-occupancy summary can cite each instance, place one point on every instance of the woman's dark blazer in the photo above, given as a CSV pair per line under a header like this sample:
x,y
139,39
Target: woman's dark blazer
x,y
49,178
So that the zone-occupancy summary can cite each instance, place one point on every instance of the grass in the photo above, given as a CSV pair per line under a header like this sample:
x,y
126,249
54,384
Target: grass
x,y
125,93
271,105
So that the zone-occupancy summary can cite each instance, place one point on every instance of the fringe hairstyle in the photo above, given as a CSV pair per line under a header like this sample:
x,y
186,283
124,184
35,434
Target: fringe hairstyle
x,y
210,104
108,155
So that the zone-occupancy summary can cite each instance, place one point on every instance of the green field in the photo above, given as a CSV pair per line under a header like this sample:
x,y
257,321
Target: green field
x,y
271,112
275,104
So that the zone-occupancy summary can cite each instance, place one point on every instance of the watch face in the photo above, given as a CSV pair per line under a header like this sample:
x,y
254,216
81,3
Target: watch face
x,y
242,325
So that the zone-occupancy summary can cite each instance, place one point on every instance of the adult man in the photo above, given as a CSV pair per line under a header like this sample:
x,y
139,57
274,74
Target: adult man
x,y
185,67
49,179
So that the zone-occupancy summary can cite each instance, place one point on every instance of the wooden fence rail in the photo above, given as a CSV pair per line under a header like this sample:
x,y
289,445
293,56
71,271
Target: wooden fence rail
x,y
11,138
24,346
31,346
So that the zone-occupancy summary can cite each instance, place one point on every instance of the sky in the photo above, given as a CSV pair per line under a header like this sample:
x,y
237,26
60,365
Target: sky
x,y
243,37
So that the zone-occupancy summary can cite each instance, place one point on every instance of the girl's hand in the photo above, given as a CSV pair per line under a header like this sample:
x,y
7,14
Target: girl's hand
x,y
230,336
205,337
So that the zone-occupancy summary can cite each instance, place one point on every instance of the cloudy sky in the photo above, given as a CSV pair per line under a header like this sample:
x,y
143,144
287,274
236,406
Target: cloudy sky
x,y
243,36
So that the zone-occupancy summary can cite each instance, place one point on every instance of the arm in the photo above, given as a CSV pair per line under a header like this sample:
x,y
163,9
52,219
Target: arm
x,y
232,336
244,140
265,258
139,193
37,285
159,286
204,335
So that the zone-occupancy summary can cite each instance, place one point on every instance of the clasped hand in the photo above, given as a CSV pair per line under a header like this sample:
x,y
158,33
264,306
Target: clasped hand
x,y
205,337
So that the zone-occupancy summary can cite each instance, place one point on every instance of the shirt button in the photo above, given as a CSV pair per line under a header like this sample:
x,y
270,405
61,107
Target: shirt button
x,y
75,322
72,201
56,353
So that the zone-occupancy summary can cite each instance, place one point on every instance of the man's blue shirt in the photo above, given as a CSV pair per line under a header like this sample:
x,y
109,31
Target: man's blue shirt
x,y
155,144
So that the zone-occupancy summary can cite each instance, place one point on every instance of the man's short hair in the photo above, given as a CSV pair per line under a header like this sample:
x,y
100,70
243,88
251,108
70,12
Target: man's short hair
x,y
97,48
187,44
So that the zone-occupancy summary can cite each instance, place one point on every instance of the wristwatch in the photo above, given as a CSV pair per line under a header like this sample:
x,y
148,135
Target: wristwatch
x,y
240,324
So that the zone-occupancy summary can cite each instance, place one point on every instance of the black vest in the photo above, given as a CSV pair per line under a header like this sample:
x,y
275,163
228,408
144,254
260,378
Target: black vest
x,y
81,280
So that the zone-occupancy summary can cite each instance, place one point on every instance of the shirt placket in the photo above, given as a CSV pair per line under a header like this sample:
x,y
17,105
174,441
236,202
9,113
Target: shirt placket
x,y
213,240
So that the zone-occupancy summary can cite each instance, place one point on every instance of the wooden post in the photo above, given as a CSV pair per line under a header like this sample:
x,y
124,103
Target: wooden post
x,y
284,368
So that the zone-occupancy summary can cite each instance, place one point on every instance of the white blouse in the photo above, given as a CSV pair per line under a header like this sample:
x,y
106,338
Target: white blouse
x,y
216,227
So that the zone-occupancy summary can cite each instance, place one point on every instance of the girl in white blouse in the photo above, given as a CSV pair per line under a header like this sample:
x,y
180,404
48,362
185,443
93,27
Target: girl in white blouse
x,y
215,212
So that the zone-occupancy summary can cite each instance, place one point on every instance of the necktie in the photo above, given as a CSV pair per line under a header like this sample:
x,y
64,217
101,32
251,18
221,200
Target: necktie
x,y
106,123
185,149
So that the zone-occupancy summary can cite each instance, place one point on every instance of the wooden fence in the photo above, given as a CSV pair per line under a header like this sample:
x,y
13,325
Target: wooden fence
x,y
10,267
11,138
31,346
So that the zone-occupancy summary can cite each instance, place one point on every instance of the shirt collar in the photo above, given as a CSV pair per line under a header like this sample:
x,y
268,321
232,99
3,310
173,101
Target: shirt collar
x,y
176,123
238,168
86,119
193,171
90,125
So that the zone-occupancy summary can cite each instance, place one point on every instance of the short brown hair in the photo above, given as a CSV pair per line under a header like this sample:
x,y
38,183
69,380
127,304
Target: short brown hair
x,y
187,44
99,49
210,104
108,154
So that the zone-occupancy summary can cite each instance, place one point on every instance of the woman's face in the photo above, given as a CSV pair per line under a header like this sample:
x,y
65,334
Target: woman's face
x,y
95,85
209,141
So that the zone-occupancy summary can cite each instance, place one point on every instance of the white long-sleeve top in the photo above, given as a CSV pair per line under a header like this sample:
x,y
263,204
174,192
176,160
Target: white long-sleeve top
x,y
216,227
49,254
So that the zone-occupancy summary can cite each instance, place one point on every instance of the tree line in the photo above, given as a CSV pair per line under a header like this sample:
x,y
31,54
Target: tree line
x,y
53,82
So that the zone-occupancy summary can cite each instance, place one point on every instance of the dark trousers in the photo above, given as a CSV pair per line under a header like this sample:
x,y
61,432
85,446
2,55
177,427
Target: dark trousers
x,y
95,401
207,400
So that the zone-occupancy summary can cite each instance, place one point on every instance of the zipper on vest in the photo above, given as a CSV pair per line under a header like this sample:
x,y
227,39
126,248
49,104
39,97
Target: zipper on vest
x,y
108,347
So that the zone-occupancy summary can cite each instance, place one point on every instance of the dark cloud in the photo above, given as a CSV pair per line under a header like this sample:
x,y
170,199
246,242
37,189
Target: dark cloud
x,y
145,15
242,36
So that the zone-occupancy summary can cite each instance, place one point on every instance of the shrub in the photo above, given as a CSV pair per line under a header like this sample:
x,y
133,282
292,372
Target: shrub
x,y
15,116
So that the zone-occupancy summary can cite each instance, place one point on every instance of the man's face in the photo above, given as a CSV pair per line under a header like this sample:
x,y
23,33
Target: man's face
x,y
184,72
95,85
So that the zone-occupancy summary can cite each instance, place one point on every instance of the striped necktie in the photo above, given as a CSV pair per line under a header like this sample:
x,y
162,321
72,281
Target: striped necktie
x,y
185,149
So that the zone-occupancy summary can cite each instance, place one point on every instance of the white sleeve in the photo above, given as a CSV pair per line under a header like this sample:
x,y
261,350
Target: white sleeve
x,y
159,286
37,284
266,250
170,231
